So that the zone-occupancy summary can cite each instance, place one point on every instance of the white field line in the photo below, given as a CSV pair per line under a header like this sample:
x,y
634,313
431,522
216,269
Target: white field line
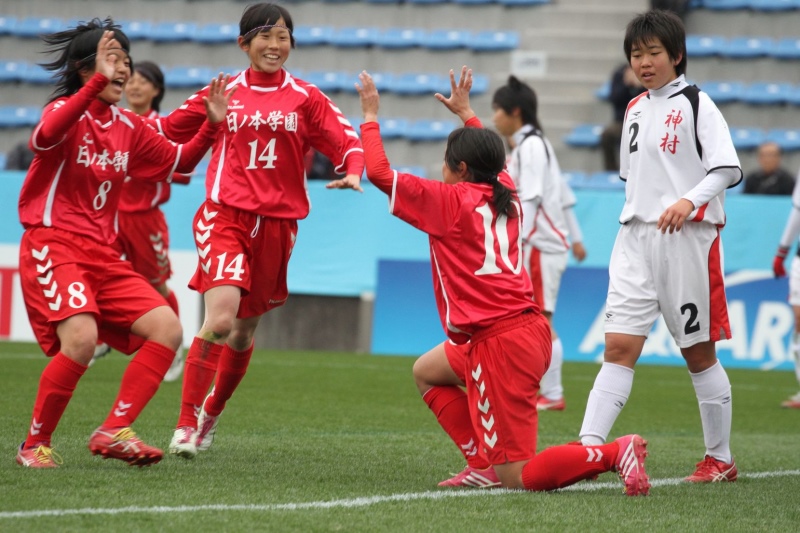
x,y
352,502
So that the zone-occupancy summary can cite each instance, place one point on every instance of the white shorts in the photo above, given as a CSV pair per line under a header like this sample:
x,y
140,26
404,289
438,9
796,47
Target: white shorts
x,y
545,270
678,275
794,282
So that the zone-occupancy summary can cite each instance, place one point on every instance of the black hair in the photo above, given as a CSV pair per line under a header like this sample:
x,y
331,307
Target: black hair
x,y
483,152
152,73
518,95
659,24
263,14
76,49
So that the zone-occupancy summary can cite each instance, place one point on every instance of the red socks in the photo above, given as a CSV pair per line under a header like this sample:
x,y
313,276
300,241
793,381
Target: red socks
x,y
450,406
232,368
58,381
564,465
139,383
201,365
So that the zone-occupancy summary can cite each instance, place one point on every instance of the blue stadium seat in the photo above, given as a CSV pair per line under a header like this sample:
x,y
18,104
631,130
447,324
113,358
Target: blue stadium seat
x,y
172,31
524,2
748,47
3,159
19,116
356,122
12,71
747,138
773,5
767,93
788,48
326,81
187,76
584,135
574,177
787,139
604,180
7,24
494,41
428,1
446,39
416,170
723,92
354,37
136,30
312,35
473,2
400,38
794,96
216,32
36,75
383,81
393,128
705,45
726,5
424,129
603,92
417,83
480,84
33,27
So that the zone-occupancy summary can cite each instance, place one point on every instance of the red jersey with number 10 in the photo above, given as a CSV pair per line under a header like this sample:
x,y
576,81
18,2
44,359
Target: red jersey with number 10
x,y
257,165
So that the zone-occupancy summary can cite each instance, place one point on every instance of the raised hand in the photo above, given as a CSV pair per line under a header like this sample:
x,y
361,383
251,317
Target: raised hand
x,y
458,103
108,49
351,181
370,99
216,101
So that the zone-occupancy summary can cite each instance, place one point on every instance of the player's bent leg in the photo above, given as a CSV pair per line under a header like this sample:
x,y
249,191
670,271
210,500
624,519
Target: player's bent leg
x,y
78,336
433,368
160,325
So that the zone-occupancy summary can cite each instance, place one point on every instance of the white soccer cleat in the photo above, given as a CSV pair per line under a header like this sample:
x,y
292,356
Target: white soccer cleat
x,y
183,442
206,429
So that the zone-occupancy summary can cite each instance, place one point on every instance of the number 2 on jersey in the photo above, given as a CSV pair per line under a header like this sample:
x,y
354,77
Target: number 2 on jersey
x,y
267,155
499,225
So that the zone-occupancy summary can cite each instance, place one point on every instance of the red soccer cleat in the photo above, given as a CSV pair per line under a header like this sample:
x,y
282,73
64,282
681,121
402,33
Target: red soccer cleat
x,y
546,404
123,444
473,478
792,403
40,456
711,470
630,465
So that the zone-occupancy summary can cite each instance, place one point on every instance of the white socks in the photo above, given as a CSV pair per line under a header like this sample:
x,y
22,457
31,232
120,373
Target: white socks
x,y
713,390
612,386
550,386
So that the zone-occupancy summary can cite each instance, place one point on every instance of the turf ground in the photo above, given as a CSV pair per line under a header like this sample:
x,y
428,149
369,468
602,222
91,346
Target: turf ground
x,y
342,442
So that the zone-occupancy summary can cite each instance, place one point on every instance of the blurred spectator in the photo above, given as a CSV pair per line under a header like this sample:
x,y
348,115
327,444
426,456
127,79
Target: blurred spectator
x,y
770,178
318,167
624,86
19,157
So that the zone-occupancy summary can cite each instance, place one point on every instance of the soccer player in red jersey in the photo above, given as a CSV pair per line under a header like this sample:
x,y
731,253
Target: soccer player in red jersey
x,y
143,237
485,298
255,194
74,283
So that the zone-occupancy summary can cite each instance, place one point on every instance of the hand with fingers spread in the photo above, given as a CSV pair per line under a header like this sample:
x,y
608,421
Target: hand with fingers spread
x,y
368,94
107,49
351,181
675,215
216,101
458,102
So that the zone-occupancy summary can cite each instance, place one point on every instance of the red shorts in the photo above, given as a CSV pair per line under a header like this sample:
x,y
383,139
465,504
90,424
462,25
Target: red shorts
x,y
64,274
501,367
246,250
144,241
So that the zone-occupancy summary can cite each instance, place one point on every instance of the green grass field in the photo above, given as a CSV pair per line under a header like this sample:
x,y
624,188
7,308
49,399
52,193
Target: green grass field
x,y
342,442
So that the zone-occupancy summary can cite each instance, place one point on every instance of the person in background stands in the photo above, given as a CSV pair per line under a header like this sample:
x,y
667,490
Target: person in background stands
x,y
624,87
771,177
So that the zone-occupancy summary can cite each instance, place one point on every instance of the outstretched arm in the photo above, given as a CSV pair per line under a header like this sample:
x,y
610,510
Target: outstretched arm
x,y
458,102
378,170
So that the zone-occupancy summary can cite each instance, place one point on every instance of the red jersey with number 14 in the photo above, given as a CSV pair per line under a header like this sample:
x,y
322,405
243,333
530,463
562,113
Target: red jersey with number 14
x,y
258,164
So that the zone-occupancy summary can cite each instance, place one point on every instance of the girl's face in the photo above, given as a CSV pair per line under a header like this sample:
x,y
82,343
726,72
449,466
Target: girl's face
x,y
140,92
652,65
268,50
112,93
507,125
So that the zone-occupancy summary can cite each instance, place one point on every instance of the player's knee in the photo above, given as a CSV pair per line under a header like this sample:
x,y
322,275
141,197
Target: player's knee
x,y
421,376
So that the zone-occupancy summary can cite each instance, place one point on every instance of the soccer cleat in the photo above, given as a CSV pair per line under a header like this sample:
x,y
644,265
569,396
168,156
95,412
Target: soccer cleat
x,y
206,428
40,456
100,351
472,477
123,444
711,470
629,464
183,442
546,404
176,368
792,403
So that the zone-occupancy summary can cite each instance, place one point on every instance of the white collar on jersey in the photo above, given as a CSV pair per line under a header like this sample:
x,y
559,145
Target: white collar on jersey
x,y
671,88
